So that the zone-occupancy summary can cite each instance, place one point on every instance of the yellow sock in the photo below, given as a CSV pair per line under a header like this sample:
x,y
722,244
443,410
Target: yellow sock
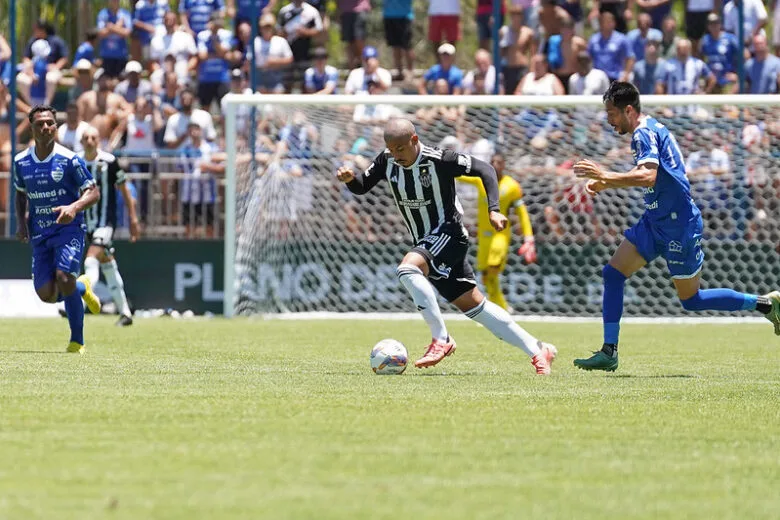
x,y
493,287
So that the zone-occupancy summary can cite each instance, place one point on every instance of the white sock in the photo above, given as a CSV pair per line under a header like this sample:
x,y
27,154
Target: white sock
x,y
116,286
498,321
424,298
92,269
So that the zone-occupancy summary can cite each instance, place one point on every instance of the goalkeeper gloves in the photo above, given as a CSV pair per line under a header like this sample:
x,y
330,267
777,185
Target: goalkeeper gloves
x,y
528,250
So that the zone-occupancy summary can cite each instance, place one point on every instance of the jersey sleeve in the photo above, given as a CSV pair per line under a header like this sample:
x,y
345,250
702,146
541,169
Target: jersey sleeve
x,y
80,174
644,146
115,173
368,179
456,164
18,180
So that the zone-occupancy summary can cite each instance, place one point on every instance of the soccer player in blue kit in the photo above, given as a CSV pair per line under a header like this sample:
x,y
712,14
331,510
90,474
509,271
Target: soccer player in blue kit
x,y
671,226
56,186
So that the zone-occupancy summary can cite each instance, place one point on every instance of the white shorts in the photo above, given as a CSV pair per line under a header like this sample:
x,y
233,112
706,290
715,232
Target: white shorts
x,y
103,237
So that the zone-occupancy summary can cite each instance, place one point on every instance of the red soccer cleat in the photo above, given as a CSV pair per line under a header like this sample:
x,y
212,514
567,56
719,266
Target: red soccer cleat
x,y
437,351
542,362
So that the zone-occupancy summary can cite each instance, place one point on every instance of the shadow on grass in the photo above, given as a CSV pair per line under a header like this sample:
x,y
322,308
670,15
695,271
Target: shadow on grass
x,y
36,352
656,376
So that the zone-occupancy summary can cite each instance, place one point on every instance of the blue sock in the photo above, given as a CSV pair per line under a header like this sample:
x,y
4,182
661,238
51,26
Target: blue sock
x,y
75,310
720,300
612,305
80,288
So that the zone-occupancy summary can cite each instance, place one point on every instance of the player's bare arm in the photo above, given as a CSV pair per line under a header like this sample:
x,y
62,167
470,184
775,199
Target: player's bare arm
x,y
66,214
642,176
135,231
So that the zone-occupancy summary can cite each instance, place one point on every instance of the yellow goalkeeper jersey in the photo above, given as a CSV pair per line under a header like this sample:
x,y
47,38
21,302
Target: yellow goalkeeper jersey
x,y
510,195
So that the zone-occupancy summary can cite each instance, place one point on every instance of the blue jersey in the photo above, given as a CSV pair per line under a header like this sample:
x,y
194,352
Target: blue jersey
x,y
199,12
151,12
55,181
214,69
721,54
85,51
669,202
314,81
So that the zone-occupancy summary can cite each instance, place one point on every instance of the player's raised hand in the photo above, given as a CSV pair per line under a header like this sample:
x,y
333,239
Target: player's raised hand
x,y
66,214
594,187
528,251
498,221
21,232
589,170
345,174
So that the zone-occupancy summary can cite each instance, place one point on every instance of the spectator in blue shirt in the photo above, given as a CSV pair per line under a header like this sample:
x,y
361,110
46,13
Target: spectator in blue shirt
x,y
195,14
320,78
86,50
147,20
720,50
610,50
684,74
114,26
763,70
646,70
241,10
58,58
445,69
639,36
398,16
214,45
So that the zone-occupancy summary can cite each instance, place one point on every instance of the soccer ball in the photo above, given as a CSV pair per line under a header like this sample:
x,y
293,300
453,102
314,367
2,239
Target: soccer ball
x,y
389,357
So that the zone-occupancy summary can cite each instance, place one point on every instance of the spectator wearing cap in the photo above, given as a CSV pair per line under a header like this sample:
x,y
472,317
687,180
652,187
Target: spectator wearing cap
x,y
175,42
147,19
83,73
176,128
272,56
647,70
320,78
484,70
241,10
517,45
238,85
357,81
86,50
638,37
300,24
755,18
133,86
114,27
398,16
443,22
194,15
69,133
719,50
684,74
762,71
621,10
354,17
587,81
214,45
445,69
485,21
55,62
610,49
696,12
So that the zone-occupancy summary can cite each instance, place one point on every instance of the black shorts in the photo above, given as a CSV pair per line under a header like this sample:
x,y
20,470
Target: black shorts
x,y
696,24
114,67
446,252
198,214
512,78
353,26
210,92
398,32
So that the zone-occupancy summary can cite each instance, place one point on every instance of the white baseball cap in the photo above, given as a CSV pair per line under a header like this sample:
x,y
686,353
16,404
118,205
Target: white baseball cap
x,y
446,48
83,64
133,66
40,48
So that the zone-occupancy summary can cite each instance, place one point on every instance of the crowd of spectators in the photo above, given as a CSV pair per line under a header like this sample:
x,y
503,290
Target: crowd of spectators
x,y
146,77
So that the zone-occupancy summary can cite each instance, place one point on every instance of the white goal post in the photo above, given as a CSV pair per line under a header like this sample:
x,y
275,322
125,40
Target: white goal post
x,y
295,242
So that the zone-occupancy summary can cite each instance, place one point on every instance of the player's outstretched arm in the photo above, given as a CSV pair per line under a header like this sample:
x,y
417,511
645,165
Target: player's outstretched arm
x,y
642,175
362,183
130,205
66,214
487,174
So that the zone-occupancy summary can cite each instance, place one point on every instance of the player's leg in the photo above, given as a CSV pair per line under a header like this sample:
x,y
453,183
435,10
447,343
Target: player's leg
x,y
626,261
498,249
474,305
102,242
413,275
71,291
43,267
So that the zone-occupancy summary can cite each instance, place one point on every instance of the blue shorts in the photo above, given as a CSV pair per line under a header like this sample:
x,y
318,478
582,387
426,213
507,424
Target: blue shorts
x,y
679,246
60,252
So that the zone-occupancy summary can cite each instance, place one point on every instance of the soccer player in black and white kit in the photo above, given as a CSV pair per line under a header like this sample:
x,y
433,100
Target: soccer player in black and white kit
x,y
422,182
101,221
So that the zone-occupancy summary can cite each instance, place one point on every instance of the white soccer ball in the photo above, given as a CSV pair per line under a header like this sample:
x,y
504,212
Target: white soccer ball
x,y
389,357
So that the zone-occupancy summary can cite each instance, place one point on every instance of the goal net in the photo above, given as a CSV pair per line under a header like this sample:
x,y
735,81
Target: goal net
x,y
296,240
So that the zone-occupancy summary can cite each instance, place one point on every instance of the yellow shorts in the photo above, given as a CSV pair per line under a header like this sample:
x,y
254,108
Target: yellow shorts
x,y
492,251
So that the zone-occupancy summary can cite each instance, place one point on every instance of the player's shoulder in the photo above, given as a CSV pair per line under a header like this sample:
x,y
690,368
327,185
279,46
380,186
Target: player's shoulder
x,y
24,154
431,152
63,153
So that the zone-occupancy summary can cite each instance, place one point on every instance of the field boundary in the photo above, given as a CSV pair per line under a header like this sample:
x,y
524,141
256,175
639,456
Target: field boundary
x,y
401,316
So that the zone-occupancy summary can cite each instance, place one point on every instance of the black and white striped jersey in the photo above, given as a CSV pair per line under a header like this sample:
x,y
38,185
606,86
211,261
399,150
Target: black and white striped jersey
x,y
107,173
424,192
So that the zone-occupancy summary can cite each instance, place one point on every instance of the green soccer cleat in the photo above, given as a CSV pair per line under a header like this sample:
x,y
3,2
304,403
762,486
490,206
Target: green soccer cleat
x,y
774,314
598,361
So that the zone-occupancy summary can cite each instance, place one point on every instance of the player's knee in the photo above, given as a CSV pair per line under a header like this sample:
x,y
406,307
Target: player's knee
x,y
407,269
65,282
694,303
47,294
610,274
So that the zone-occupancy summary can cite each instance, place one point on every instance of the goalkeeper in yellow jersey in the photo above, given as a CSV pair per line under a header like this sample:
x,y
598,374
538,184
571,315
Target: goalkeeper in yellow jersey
x,y
493,246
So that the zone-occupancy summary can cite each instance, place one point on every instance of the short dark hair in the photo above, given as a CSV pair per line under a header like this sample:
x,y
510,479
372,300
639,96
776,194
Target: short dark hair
x,y
92,34
623,94
41,108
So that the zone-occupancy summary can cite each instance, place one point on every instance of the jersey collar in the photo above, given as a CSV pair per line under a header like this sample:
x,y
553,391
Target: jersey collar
x,y
48,157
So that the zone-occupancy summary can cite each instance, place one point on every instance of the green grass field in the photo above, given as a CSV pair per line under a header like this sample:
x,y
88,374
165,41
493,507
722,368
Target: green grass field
x,y
272,419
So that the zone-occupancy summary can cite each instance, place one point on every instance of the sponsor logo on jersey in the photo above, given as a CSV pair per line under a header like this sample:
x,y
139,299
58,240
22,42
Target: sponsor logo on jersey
x,y
45,210
465,161
425,177
654,205
37,195
414,203
57,173
675,247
